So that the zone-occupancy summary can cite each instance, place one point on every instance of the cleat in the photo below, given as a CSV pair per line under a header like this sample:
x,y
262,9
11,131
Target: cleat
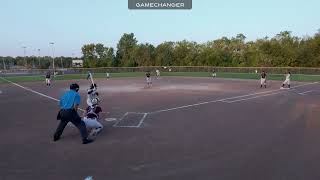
x,y
87,141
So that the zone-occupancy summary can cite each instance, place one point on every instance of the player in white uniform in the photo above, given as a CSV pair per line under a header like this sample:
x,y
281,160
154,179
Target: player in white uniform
x,y
214,74
263,80
287,81
158,73
108,75
148,79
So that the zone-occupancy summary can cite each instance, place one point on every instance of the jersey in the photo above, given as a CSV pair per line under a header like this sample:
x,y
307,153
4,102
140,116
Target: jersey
x,y
288,76
48,75
93,113
69,99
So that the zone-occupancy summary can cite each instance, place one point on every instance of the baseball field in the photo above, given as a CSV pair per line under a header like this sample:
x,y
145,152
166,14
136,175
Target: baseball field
x,y
186,126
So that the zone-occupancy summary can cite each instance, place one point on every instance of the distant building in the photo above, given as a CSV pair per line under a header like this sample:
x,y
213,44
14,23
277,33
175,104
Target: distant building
x,y
77,63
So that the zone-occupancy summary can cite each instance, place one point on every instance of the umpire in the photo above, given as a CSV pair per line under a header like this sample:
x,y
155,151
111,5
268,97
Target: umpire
x,y
69,103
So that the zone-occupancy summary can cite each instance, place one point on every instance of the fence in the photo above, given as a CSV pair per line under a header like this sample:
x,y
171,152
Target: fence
x,y
270,70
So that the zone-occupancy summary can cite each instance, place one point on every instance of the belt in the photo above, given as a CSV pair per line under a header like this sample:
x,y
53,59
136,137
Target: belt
x,y
66,109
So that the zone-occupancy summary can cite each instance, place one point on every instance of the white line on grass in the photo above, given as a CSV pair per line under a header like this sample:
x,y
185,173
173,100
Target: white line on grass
x,y
36,92
28,89
226,99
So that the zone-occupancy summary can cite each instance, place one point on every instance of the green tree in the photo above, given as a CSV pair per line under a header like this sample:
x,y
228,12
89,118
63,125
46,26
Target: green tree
x,y
89,55
164,54
144,55
125,50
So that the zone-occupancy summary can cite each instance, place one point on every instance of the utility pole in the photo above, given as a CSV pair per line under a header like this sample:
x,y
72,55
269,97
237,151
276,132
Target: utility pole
x,y
61,62
24,55
52,44
33,57
39,57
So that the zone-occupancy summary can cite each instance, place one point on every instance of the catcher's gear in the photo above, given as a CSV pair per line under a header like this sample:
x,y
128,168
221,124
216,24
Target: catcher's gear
x,y
95,101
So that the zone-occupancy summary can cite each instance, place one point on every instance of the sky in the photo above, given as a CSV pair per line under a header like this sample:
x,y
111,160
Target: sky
x,y
73,23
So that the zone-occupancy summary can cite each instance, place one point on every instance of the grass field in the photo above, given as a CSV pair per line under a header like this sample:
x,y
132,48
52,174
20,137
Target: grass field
x,y
295,77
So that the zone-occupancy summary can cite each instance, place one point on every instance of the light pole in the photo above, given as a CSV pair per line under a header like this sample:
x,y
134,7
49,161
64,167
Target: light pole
x,y
24,55
33,57
52,43
61,62
39,57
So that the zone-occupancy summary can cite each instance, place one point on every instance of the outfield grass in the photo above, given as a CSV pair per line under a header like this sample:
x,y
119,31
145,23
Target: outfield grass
x,y
295,77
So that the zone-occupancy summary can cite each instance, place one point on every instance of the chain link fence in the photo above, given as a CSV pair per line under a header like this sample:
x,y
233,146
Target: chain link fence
x,y
269,70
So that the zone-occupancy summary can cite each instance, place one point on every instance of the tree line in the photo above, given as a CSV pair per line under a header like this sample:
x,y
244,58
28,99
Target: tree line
x,y
283,50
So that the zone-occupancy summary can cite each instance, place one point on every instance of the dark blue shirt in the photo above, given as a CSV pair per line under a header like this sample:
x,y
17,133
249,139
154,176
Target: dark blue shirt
x,y
69,99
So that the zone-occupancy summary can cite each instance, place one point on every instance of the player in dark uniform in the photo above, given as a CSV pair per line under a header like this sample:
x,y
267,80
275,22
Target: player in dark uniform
x,y
48,78
263,81
148,79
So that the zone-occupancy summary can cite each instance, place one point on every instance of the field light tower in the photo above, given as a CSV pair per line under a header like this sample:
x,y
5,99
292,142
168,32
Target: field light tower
x,y
52,44
33,57
39,57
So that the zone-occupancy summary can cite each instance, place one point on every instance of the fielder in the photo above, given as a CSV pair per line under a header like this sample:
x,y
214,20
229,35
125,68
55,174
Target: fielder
x,y
263,80
214,74
108,75
48,78
148,79
287,81
158,73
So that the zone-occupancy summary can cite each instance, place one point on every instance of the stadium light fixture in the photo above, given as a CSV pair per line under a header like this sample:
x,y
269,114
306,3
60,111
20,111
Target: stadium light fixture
x,y
52,44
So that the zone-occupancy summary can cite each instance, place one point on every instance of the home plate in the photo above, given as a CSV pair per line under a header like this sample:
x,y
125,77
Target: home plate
x,y
110,119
